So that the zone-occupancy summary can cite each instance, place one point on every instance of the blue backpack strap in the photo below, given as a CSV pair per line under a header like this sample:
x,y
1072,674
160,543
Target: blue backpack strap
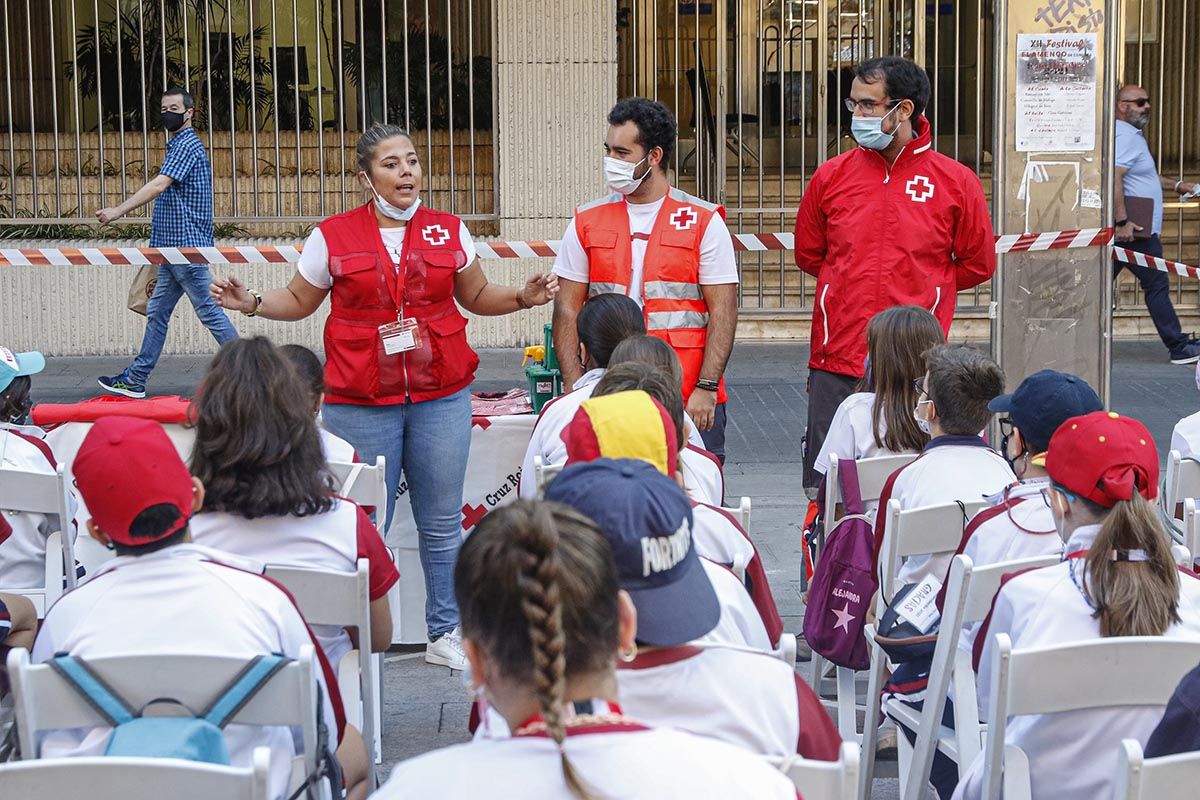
x,y
92,688
243,687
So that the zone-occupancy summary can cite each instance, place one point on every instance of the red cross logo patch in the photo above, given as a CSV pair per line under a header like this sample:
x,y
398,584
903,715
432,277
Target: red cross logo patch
x,y
919,188
471,515
684,218
436,235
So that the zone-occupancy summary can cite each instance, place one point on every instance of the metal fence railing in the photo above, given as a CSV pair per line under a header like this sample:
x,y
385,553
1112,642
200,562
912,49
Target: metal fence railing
x,y
282,90
758,87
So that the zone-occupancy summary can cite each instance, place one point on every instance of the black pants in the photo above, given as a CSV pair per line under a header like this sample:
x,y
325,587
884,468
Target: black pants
x,y
1156,286
826,391
714,437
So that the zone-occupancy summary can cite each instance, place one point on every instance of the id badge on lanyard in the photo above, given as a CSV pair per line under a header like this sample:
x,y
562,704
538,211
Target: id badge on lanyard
x,y
400,336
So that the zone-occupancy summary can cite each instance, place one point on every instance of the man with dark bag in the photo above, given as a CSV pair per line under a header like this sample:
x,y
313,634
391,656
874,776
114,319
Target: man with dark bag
x,y
888,223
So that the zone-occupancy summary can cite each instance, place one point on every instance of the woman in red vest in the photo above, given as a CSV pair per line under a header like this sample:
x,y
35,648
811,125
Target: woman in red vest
x,y
397,364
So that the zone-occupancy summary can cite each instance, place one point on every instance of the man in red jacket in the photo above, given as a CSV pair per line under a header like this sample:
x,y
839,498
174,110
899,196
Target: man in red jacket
x,y
888,223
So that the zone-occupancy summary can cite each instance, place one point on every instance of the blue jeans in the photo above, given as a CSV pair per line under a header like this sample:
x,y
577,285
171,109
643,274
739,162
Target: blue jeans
x,y
430,442
173,281
1156,289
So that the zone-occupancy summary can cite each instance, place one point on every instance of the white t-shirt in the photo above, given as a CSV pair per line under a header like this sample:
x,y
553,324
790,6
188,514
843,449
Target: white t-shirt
x,y
717,263
22,533
336,448
314,257
332,541
636,764
179,600
852,433
546,439
740,624
703,478
1186,436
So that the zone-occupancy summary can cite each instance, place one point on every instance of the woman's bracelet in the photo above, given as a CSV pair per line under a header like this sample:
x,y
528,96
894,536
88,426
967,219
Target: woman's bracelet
x,y
257,303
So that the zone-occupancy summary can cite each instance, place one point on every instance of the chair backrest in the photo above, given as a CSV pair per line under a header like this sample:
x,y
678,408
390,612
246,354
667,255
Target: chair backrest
x,y
543,473
1166,778
119,778
919,531
1182,481
45,702
1046,680
44,493
1191,528
741,513
342,599
365,484
829,780
872,475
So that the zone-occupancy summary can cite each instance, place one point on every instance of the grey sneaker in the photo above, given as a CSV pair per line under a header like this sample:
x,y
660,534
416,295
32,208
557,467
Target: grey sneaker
x,y
1186,353
447,651
119,384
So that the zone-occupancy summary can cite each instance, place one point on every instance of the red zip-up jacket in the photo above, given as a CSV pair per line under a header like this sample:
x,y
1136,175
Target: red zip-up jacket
x,y
875,237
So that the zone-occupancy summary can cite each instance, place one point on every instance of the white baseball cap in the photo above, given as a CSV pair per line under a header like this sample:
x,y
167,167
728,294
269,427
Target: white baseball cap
x,y
14,365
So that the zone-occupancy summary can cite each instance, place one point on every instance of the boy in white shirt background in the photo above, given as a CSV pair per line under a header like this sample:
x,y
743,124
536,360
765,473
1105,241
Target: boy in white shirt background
x,y
163,595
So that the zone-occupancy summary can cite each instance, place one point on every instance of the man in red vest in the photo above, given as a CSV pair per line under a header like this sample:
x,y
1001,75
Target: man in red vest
x,y
889,223
667,250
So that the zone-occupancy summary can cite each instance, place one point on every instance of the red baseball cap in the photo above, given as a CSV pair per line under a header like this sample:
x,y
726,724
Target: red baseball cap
x,y
125,466
1104,457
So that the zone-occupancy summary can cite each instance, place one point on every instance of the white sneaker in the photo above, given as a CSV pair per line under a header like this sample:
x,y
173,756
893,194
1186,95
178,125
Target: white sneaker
x,y
447,651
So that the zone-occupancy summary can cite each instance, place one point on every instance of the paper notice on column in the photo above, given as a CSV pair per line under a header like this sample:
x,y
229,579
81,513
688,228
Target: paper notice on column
x,y
1056,92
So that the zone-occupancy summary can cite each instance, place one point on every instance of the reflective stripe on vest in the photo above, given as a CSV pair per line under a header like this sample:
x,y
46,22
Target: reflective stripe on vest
x,y
672,320
606,288
672,290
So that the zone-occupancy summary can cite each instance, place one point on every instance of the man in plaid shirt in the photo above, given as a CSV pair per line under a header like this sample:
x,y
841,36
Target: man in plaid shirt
x,y
183,217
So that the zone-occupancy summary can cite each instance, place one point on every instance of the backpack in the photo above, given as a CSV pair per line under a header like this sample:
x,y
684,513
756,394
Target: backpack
x,y
197,737
843,582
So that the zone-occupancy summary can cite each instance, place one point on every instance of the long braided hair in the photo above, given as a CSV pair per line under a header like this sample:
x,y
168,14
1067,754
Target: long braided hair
x,y
537,590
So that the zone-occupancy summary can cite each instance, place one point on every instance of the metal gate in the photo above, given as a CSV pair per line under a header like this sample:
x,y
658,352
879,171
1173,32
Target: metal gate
x,y
282,90
758,87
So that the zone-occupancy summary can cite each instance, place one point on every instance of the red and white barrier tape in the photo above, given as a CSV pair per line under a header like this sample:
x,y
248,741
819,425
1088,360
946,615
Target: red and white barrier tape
x,y
281,254
1160,264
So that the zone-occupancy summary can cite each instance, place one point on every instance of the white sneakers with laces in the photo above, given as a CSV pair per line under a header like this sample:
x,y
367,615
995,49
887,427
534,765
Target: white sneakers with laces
x,y
447,651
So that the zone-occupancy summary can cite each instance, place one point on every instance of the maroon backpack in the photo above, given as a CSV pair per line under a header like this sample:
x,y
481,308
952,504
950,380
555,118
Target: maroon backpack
x,y
843,582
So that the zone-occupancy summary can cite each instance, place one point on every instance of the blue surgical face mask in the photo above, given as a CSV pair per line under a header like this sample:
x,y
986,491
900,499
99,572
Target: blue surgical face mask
x,y
390,211
868,131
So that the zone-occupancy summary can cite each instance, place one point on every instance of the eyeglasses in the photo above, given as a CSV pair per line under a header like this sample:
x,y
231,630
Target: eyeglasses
x,y
868,106
919,385
1006,426
1140,102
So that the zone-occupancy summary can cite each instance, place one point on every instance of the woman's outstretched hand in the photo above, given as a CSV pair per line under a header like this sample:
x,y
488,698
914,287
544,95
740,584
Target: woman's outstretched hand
x,y
540,289
232,294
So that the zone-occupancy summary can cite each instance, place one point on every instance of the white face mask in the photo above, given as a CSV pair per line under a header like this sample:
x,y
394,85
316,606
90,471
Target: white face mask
x,y
922,423
618,175
390,211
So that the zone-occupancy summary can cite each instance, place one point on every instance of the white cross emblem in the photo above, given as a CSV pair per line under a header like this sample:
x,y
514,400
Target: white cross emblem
x,y
919,189
436,235
684,218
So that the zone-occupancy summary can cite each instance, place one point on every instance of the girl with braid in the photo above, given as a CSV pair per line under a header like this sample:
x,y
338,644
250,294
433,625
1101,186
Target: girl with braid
x,y
544,625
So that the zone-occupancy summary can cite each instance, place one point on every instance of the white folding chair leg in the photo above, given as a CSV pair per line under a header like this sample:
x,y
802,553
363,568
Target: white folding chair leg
x,y
847,705
904,754
377,680
818,673
870,726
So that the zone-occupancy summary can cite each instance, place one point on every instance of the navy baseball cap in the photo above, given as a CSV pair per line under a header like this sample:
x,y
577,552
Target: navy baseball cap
x,y
647,520
1044,401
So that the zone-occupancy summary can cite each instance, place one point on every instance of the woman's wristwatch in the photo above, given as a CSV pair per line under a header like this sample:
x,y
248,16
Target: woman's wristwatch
x,y
257,303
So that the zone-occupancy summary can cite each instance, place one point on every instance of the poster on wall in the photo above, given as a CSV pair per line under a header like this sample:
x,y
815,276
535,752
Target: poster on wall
x,y
1056,92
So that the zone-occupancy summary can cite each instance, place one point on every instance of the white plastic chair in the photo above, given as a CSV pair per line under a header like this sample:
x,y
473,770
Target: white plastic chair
x,y
44,493
342,599
365,484
920,531
543,473
969,595
827,780
741,513
1167,778
1095,674
1182,481
120,778
1191,530
45,702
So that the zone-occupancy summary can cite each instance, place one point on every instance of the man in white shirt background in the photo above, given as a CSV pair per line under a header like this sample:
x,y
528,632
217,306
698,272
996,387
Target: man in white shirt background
x,y
667,250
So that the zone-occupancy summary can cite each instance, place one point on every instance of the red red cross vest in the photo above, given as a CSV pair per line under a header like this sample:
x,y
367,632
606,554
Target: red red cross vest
x,y
673,303
368,291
